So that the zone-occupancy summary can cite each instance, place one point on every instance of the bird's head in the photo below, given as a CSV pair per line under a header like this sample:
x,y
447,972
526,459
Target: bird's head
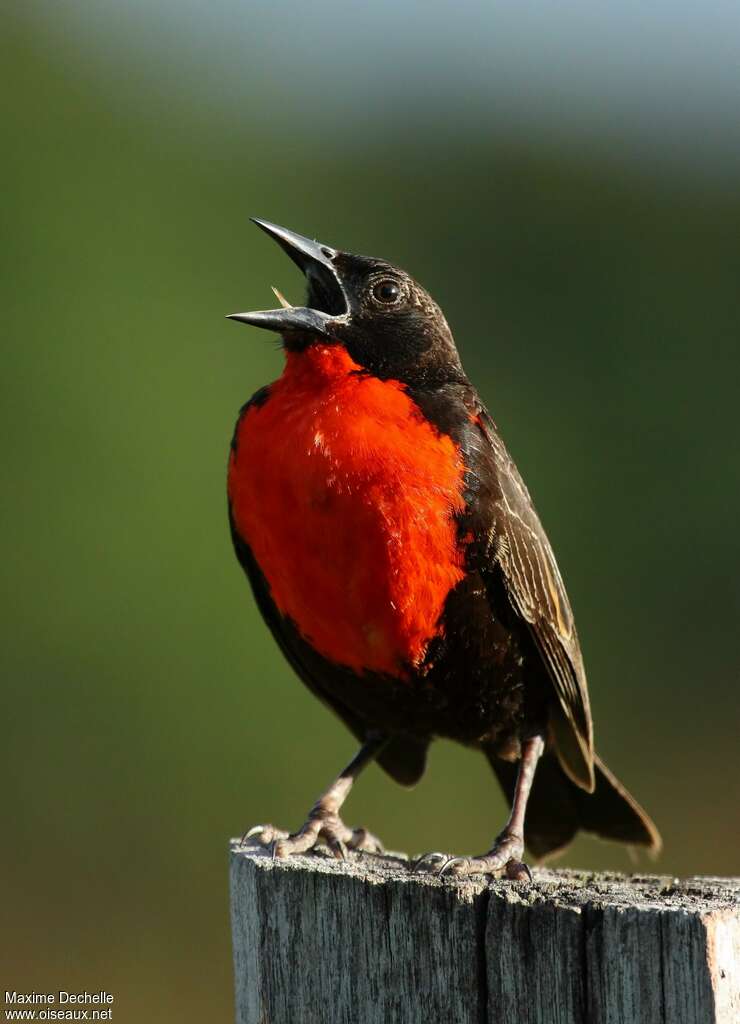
x,y
388,323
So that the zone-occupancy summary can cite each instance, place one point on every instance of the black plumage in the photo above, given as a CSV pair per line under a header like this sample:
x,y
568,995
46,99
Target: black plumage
x,y
505,674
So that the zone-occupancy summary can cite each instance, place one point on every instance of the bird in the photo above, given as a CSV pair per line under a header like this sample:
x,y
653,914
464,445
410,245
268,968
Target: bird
x,y
395,554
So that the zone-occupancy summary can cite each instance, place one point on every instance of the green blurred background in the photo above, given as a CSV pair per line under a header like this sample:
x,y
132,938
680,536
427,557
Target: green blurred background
x,y
569,193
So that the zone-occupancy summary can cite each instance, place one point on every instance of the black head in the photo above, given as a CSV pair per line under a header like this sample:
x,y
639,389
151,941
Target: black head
x,y
387,322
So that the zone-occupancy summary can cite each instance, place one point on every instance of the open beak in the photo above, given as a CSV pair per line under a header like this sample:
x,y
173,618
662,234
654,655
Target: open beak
x,y
326,296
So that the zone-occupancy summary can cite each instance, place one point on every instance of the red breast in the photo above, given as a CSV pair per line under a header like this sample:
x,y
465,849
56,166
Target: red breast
x,y
347,497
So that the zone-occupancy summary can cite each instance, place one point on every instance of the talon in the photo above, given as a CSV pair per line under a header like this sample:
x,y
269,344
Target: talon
x,y
253,833
451,864
263,834
365,841
339,849
256,830
432,858
518,871
503,858
320,829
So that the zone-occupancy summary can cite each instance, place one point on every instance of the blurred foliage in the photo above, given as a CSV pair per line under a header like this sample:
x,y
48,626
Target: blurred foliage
x,y
147,713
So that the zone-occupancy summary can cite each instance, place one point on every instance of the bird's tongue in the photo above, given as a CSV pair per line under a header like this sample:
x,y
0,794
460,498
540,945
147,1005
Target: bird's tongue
x,y
281,298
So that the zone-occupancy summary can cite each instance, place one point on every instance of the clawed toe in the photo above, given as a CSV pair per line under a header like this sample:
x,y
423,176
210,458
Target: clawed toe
x,y
264,835
329,830
433,862
365,841
505,857
320,830
454,866
518,871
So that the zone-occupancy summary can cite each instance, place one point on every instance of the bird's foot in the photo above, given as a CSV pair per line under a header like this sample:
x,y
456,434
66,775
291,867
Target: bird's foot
x,y
505,858
322,828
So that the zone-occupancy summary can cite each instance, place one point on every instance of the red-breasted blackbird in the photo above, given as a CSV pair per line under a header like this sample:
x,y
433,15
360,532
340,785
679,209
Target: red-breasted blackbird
x,y
397,557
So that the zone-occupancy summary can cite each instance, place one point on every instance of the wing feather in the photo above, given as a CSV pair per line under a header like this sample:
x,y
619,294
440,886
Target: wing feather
x,y
520,548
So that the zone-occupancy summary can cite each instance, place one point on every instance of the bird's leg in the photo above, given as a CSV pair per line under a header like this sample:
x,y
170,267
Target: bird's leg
x,y
508,849
323,823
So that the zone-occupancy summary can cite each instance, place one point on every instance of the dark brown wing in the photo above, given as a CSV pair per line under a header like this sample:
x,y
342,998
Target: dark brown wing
x,y
519,546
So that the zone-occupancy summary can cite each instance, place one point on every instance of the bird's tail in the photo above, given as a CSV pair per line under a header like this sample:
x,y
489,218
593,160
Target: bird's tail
x,y
558,808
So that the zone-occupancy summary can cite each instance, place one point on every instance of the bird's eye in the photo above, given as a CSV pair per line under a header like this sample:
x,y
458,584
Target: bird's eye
x,y
387,291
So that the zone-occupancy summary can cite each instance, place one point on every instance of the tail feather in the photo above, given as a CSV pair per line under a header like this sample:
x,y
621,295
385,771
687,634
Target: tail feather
x,y
558,808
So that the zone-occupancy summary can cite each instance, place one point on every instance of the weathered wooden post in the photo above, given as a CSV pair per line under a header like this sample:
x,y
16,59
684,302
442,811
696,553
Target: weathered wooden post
x,y
319,941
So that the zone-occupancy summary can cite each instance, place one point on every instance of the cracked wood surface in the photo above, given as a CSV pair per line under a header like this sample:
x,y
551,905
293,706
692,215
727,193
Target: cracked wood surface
x,y
319,941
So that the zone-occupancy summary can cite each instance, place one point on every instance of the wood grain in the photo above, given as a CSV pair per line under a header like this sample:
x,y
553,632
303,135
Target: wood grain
x,y
368,940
